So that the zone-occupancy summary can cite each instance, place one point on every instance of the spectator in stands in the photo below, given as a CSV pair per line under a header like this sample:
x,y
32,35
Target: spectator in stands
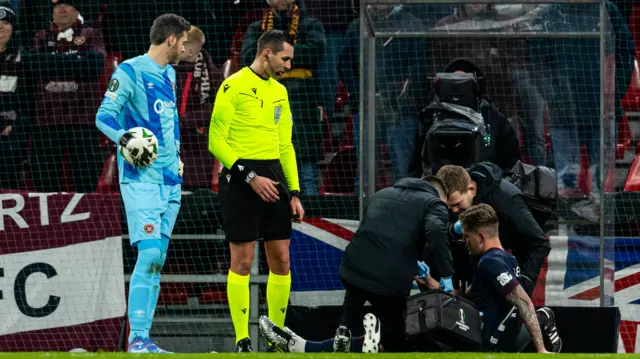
x,y
401,82
302,81
335,16
198,82
500,144
67,60
35,15
573,89
13,103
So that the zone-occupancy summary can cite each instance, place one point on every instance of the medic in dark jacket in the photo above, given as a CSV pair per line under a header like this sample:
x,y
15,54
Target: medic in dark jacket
x,y
519,231
401,225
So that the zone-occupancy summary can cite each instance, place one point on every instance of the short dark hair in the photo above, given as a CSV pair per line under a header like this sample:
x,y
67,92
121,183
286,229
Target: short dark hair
x,y
436,183
273,40
165,26
480,216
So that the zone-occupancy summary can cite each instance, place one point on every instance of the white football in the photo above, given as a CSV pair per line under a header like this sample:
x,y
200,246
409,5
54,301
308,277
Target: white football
x,y
143,142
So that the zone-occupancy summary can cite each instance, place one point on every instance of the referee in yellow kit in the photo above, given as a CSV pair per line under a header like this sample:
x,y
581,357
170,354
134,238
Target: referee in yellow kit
x,y
250,134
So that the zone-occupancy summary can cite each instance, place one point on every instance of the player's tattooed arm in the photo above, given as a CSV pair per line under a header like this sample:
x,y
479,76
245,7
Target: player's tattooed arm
x,y
519,298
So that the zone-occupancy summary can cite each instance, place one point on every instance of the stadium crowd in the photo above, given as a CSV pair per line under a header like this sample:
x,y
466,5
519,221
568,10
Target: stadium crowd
x,y
57,56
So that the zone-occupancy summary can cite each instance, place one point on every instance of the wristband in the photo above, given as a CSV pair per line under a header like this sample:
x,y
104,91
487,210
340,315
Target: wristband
x,y
243,172
294,194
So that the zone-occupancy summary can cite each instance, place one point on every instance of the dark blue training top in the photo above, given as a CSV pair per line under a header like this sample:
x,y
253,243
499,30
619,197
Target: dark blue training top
x,y
496,277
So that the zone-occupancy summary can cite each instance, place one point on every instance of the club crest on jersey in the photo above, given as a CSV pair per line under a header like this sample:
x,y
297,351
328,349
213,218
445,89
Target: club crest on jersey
x,y
149,228
277,111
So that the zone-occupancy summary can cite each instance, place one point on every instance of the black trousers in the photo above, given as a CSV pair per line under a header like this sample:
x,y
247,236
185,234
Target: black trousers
x,y
388,309
13,151
85,157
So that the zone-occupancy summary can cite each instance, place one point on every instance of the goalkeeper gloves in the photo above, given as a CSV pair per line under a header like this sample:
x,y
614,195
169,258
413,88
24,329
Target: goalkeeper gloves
x,y
138,149
446,284
423,270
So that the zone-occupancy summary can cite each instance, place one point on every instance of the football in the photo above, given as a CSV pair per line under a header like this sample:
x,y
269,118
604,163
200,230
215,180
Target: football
x,y
144,142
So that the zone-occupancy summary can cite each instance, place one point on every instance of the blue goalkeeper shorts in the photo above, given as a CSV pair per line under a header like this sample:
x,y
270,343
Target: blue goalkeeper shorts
x,y
151,209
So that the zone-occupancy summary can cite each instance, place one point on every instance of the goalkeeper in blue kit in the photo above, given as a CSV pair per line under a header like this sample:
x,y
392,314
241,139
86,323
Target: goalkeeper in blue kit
x,y
142,93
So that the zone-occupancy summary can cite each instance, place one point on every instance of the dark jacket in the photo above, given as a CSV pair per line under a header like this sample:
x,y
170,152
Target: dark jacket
x,y
519,231
500,143
401,225
14,101
68,91
203,79
302,82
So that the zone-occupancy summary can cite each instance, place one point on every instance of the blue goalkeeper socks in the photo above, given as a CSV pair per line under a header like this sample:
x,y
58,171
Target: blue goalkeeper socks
x,y
164,247
144,288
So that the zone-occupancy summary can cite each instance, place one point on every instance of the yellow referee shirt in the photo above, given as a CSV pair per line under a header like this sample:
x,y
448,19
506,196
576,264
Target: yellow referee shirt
x,y
252,120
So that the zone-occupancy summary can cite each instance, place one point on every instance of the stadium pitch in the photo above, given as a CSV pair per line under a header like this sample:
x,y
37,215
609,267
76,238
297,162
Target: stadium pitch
x,y
59,355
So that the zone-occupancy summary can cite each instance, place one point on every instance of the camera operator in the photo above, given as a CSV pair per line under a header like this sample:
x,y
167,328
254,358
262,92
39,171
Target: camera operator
x,y
520,232
463,84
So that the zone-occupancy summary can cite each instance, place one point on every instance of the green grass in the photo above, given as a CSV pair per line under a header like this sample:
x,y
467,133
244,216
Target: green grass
x,y
307,355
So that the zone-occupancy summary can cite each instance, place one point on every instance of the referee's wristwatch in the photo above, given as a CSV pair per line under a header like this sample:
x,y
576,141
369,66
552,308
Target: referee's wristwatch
x,y
243,172
250,176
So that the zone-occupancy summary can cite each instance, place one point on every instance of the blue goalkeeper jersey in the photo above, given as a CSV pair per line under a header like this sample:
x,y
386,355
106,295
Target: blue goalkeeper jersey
x,y
142,93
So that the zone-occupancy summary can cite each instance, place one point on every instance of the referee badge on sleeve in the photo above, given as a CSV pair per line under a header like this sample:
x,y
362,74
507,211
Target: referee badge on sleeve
x,y
277,111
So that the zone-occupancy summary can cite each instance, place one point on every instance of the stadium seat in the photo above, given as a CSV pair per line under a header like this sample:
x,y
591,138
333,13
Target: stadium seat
x,y
631,102
228,69
217,167
338,176
634,24
108,182
174,294
342,97
196,157
624,138
213,295
110,64
632,182
327,136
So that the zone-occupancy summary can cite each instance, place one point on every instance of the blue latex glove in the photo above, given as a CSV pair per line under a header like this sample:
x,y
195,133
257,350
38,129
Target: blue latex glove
x,y
446,284
457,227
423,270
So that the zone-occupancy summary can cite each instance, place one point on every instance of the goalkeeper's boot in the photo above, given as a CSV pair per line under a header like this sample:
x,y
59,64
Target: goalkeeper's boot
x,y
276,337
550,336
371,342
140,345
243,346
342,340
